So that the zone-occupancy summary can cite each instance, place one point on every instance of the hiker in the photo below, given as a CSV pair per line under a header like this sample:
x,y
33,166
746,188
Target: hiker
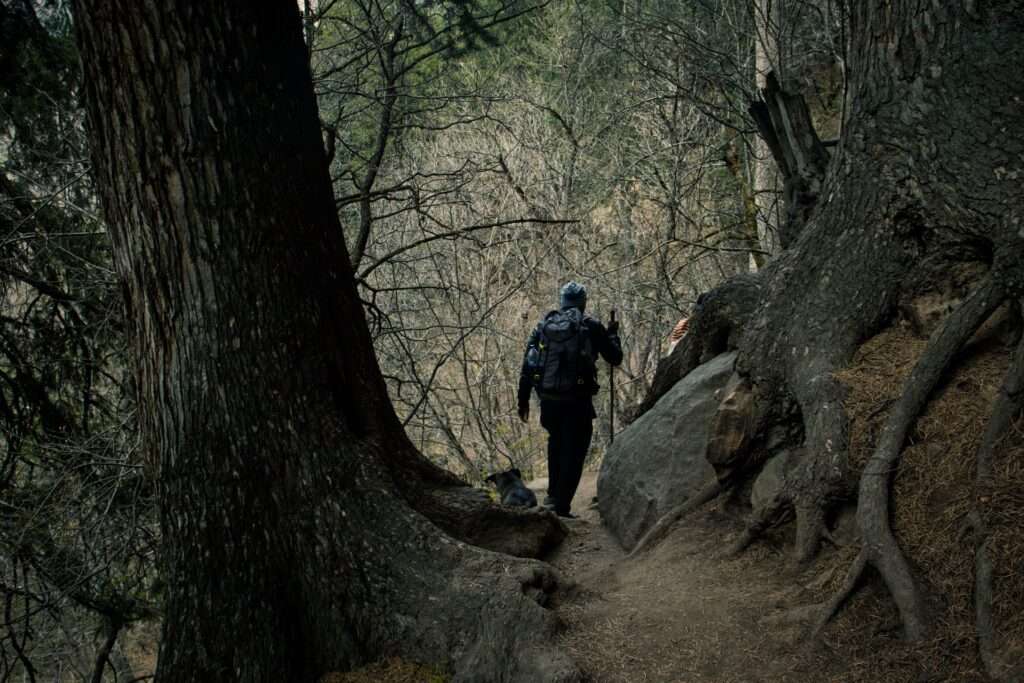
x,y
561,365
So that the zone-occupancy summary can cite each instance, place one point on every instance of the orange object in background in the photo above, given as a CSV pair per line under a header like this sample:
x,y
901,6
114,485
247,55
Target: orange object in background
x,y
678,332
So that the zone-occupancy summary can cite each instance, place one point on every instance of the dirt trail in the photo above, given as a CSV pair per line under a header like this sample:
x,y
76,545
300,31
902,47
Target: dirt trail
x,y
682,613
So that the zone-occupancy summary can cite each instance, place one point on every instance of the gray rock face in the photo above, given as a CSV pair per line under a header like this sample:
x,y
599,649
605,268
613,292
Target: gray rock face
x,y
658,461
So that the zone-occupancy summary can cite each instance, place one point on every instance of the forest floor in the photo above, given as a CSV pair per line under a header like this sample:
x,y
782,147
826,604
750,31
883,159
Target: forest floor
x,y
683,612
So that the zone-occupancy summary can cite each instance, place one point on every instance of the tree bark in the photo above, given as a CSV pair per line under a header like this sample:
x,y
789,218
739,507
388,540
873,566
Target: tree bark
x,y
916,174
292,505
925,171
784,122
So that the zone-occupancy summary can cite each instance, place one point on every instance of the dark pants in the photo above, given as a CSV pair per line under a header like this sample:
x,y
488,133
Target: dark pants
x,y
569,424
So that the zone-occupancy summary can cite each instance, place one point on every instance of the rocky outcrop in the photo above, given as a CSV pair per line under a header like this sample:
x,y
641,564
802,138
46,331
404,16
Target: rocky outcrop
x,y
659,460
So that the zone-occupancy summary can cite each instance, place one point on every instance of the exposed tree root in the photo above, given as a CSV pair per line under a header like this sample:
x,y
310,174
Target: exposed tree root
x,y
663,526
1007,406
881,549
468,515
810,528
853,575
818,477
482,615
771,514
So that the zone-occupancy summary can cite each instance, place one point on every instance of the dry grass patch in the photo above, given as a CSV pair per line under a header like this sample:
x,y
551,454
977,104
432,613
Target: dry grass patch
x,y
933,491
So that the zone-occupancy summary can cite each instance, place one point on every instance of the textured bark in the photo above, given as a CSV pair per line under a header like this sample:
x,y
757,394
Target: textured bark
x,y
290,500
925,173
785,124
468,514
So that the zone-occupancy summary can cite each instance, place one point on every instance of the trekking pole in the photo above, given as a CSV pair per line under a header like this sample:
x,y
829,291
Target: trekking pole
x,y
611,393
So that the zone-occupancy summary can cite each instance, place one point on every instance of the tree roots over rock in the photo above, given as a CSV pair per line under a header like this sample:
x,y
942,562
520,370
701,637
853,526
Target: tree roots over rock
x,y
715,327
881,549
1007,407
663,526
828,464
879,243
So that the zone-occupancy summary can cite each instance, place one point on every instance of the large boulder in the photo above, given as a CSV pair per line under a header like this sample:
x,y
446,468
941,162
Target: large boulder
x,y
658,461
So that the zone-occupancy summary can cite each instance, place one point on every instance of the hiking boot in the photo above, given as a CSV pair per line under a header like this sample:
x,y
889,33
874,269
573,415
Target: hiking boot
x,y
549,503
565,515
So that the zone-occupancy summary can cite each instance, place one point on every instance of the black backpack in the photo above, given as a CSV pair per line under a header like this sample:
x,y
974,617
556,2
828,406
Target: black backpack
x,y
564,365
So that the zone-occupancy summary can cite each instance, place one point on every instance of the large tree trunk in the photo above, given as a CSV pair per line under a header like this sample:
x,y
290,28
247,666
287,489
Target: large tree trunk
x,y
296,516
916,181
927,174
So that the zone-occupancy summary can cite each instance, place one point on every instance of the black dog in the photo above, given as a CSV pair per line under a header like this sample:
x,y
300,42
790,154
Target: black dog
x,y
512,490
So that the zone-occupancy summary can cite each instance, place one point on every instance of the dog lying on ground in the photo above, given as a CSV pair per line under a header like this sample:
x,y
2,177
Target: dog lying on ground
x,y
512,490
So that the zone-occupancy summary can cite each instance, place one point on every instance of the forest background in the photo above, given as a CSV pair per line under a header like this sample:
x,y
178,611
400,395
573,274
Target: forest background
x,y
482,154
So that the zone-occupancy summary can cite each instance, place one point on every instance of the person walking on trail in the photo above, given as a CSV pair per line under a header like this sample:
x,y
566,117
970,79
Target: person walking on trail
x,y
561,365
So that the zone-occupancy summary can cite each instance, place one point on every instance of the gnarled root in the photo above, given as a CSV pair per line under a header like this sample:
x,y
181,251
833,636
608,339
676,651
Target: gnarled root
x,y
422,595
881,549
782,507
663,526
468,515
810,529
715,327
809,512
853,575
771,514
1008,405
816,478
